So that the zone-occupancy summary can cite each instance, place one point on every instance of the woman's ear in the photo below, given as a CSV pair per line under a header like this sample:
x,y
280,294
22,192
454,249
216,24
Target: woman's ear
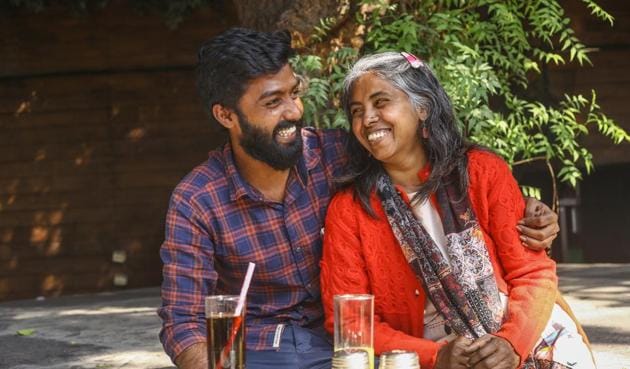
x,y
224,116
422,114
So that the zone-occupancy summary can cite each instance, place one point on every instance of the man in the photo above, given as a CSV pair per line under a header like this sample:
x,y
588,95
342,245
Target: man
x,y
262,198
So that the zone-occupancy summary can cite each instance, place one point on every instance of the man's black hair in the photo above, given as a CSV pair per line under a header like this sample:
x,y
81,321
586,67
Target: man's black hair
x,y
229,61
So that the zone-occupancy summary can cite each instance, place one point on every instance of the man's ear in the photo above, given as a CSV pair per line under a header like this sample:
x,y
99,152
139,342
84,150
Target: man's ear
x,y
224,115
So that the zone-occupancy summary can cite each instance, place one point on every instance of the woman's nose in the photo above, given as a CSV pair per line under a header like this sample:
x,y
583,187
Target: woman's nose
x,y
370,117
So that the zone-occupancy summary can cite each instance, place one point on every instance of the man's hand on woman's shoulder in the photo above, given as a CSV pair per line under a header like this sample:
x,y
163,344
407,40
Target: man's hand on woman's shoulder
x,y
539,227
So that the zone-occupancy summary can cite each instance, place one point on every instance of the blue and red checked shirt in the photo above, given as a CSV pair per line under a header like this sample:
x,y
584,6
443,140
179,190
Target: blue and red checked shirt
x,y
217,223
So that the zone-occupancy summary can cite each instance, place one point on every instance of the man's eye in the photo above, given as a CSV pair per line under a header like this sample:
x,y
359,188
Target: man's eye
x,y
300,88
298,92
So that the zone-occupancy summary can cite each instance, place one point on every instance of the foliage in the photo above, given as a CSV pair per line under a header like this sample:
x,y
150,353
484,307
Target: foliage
x,y
173,11
489,55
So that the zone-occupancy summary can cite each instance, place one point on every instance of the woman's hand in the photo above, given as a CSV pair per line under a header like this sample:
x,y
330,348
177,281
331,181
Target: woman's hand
x,y
454,355
491,352
539,227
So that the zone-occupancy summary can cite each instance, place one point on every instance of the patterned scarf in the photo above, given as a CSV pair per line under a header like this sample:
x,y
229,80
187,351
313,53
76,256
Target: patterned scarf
x,y
464,291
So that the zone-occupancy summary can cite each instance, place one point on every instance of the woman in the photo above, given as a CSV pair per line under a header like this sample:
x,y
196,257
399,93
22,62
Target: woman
x,y
428,225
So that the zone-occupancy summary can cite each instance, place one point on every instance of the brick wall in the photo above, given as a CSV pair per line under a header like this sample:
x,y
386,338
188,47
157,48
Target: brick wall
x,y
600,230
99,119
609,75
596,216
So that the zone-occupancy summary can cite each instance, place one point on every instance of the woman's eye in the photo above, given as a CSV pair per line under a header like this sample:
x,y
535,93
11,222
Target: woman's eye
x,y
355,113
273,103
380,102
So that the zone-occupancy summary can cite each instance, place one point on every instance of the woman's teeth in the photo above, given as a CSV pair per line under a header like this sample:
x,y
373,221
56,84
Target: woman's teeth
x,y
287,132
376,135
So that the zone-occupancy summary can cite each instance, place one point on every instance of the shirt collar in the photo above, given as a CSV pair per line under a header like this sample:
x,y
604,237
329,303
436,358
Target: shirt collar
x,y
240,188
310,155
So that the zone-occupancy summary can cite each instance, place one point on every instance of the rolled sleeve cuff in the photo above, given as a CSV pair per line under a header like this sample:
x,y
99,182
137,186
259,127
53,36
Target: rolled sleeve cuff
x,y
176,340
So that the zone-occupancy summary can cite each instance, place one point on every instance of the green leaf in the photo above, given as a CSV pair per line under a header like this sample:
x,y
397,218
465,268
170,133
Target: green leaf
x,y
25,332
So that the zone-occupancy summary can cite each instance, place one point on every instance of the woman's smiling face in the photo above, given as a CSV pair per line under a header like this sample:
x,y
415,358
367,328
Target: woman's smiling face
x,y
384,120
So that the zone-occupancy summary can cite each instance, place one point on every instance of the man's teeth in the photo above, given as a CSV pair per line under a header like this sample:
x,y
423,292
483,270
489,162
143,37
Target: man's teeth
x,y
286,132
376,135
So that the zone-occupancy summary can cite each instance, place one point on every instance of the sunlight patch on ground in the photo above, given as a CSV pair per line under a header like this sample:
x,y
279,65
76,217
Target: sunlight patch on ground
x,y
107,311
608,360
85,312
127,359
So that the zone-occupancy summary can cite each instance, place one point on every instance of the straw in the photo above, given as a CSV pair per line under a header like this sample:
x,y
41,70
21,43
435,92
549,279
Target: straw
x,y
237,320
244,288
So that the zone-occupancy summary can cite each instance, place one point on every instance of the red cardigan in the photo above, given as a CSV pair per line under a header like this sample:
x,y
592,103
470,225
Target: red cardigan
x,y
362,255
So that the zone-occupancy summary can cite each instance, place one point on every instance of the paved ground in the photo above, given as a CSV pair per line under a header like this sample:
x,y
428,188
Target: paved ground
x,y
600,297
119,330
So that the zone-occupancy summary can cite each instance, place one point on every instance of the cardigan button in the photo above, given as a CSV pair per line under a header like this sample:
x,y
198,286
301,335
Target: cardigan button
x,y
417,292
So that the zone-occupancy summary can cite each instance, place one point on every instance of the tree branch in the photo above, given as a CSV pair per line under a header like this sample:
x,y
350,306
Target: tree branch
x,y
525,161
555,202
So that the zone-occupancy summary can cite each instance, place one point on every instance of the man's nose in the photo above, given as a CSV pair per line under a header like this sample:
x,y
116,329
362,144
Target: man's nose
x,y
294,110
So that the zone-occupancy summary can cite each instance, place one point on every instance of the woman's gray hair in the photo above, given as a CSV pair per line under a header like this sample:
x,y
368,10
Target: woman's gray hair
x,y
445,145
390,66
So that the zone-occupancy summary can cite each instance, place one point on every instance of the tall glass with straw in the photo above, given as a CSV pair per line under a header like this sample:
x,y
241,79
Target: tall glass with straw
x,y
225,318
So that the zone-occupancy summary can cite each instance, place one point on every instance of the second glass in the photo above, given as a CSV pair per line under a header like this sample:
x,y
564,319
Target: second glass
x,y
354,324
226,331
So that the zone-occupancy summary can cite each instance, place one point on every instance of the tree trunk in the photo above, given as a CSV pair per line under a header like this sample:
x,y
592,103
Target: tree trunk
x,y
294,15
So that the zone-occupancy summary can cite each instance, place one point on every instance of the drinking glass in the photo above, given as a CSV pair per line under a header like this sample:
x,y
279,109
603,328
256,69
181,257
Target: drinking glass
x,y
354,324
226,330
351,359
399,359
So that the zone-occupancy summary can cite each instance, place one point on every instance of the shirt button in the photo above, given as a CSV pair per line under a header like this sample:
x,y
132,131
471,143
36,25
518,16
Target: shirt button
x,y
417,293
298,249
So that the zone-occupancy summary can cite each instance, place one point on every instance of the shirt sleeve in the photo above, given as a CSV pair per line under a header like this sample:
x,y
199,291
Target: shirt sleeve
x,y
530,275
188,275
343,270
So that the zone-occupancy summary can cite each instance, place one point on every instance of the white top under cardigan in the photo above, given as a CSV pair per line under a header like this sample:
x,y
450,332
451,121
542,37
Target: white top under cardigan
x,y
435,327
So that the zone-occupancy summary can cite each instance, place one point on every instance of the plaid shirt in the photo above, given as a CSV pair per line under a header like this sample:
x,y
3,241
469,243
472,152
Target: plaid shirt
x,y
217,223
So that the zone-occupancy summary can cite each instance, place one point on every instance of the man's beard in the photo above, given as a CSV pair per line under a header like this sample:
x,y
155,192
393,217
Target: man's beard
x,y
259,145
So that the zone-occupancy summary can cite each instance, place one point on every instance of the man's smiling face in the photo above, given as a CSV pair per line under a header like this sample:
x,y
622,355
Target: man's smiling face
x,y
270,119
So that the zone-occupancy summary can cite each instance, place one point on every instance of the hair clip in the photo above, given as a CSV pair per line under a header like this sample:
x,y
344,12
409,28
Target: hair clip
x,y
413,60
